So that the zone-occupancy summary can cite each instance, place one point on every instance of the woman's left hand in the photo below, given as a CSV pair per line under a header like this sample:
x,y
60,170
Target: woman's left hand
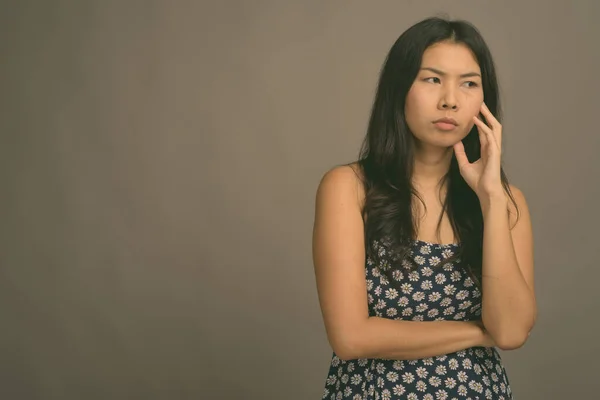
x,y
483,175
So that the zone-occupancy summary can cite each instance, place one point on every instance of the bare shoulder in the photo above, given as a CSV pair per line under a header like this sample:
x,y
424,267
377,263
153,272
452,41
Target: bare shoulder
x,y
344,181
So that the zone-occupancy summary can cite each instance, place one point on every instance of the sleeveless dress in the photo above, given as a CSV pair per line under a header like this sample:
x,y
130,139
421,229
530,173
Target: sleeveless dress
x,y
433,291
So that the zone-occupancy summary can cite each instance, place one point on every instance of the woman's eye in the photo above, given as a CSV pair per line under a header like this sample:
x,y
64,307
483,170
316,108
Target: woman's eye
x,y
473,84
429,79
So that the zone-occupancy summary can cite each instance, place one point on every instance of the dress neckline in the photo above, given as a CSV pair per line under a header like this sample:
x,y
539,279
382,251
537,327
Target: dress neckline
x,y
419,241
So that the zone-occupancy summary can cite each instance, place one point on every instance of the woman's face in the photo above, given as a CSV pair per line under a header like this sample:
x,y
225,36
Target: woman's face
x,y
448,85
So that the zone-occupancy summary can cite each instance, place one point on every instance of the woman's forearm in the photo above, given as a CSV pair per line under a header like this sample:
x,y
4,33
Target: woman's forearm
x,y
508,306
405,340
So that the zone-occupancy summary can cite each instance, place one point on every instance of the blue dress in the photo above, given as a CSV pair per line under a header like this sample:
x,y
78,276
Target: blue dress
x,y
434,291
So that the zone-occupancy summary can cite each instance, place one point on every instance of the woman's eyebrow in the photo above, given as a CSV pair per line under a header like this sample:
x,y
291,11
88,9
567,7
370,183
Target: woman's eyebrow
x,y
437,71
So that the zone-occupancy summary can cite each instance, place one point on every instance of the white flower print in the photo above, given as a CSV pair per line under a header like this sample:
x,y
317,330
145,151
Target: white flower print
x,y
392,376
432,313
462,294
406,288
398,390
435,381
418,318
462,390
462,376
425,249
378,290
413,276
468,282
380,368
441,394
412,396
421,386
433,261
448,267
345,378
403,301
422,307
440,370
386,395
453,363
356,379
428,396
347,391
426,271
435,296
422,372
391,293
350,366
398,365
426,285
446,301
407,312
450,383
440,278
467,364
407,377
459,316
397,275
418,296
477,369
391,312
449,311
476,386
449,289
455,276
447,253
420,260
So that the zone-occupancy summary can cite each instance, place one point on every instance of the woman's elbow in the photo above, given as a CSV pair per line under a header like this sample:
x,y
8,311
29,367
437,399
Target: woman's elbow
x,y
345,347
511,341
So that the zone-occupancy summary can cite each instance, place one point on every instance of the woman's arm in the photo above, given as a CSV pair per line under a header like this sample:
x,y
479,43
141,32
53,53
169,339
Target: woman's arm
x,y
508,299
339,263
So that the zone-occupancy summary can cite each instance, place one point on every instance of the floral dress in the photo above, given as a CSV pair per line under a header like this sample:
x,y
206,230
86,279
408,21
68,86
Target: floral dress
x,y
434,291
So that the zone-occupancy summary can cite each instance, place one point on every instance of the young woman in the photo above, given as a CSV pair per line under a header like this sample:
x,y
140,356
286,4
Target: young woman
x,y
423,252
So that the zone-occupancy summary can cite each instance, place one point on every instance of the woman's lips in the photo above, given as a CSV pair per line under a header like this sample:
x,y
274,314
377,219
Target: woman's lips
x,y
444,126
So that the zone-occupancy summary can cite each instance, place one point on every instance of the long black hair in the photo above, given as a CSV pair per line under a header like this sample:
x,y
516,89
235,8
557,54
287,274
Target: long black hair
x,y
386,156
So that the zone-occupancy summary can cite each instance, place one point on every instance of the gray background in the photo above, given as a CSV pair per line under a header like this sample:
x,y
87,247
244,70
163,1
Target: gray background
x,y
159,161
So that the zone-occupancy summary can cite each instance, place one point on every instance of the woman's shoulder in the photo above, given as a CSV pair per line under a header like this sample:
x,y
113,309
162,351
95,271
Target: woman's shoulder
x,y
344,180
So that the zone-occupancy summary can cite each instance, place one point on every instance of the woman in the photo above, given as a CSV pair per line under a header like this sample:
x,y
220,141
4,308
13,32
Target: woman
x,y
423,251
